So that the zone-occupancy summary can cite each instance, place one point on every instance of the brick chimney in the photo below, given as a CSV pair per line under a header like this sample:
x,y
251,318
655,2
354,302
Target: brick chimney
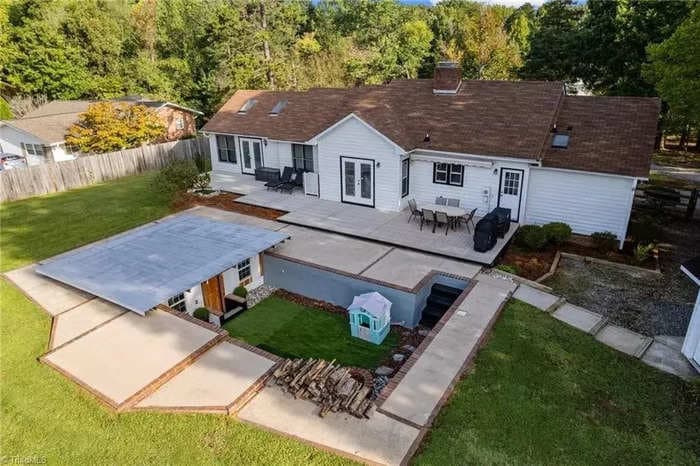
x,y
447,78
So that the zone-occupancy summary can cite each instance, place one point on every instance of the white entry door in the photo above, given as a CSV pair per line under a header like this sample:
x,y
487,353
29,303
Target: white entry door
x,y
510,191
251,154
357,179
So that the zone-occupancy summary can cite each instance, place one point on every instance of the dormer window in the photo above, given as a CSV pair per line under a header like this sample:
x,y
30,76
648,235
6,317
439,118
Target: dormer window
x,y
250,103
560,141
279,106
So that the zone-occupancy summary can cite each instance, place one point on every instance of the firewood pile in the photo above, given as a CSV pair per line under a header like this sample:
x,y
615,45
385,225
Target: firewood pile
x,y
333,387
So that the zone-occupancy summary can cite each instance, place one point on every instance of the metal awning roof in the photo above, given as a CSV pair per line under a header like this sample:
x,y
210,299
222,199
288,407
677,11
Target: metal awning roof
x,y
142,268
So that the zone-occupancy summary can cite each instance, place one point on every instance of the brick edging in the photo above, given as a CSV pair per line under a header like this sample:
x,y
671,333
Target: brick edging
x,y
398,377
80,335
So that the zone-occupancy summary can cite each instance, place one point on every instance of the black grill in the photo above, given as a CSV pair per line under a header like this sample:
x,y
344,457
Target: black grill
x,y
485,233
502,220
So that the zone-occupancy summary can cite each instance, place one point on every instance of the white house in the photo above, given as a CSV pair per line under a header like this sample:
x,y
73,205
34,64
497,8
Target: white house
x,y
40,134
691,343
524,145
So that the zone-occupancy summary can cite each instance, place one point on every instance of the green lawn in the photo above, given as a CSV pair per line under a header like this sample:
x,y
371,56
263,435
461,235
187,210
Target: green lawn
x,y
544,393
40,227
292,330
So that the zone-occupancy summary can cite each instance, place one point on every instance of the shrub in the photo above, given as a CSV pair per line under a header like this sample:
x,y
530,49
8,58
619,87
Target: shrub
x,y
179,176
508,268
642,252
241,291
532,237
557,232
201,182
604,241
201,313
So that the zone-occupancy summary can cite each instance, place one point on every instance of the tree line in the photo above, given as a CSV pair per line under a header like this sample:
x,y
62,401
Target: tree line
x,y
198,52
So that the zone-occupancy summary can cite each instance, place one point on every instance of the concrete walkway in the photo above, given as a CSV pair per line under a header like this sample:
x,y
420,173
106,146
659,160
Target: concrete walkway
x,y
660,353
379,439
373,224
422,390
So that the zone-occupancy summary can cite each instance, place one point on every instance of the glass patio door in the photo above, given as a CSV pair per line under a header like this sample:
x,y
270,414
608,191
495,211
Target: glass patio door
x,y
357,179
251,154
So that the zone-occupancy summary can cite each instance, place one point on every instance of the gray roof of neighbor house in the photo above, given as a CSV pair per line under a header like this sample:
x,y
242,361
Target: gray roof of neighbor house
x,y
144,267
497,118
51,121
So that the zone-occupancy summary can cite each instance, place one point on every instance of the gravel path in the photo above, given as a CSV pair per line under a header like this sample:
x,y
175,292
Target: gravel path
x,y
645,302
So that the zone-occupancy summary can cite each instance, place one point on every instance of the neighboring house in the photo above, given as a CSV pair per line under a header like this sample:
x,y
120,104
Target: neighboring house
x,y
39,135
691,343
525,145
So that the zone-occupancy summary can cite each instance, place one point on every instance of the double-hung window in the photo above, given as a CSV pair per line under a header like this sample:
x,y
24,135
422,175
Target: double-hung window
x,y
179,123
448,173
227,148
303,157
244,271
404,177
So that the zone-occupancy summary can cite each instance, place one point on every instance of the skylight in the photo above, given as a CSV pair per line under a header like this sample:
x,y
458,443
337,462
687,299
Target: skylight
x,y
560,141
250,103
279,106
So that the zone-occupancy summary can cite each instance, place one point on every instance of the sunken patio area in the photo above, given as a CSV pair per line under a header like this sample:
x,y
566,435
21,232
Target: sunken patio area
x,y
363,222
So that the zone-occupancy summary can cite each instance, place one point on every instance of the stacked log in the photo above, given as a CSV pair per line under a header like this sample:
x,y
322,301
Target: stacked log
x,y
333,387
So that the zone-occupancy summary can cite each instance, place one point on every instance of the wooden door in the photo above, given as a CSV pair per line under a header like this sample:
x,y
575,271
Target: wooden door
x,y
212,292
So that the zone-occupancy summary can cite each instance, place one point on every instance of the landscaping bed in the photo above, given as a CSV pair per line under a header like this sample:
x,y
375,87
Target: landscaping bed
x,y
541,392
225,201
293,330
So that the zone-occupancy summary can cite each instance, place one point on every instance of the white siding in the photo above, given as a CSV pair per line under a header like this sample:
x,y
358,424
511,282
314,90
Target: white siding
x,y
691,343
11,141
587,202
480,187
352,138
276,154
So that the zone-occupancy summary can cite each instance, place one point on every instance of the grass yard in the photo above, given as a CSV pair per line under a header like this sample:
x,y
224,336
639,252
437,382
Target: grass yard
x,y
45,415
41,227
292,330
544,393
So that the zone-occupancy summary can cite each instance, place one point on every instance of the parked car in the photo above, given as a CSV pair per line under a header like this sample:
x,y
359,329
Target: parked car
x,y
10,161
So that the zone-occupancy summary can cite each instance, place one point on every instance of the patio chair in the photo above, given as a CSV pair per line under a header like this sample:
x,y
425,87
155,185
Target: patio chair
x,y
427,216
452,202
441,218
289,185
467,219
415,211
441,200
286,174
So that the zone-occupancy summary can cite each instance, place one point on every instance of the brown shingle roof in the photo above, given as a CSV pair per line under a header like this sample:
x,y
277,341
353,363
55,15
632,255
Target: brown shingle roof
x,y
499,118
608,134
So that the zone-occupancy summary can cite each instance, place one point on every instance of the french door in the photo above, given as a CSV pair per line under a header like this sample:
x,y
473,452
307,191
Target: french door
x,y
357,181
510,191
251,155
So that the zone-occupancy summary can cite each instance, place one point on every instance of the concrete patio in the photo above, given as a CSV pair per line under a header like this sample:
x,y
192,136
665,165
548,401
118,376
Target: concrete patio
x,y
372,224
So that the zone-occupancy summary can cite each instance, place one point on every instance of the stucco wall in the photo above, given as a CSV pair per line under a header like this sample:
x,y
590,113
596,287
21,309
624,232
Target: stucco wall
x,y
339,289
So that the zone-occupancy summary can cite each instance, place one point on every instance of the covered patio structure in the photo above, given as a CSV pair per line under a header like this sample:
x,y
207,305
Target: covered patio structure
x,y
147,266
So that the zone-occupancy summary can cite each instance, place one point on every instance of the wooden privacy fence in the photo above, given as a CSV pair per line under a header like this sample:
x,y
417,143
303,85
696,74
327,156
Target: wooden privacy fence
x,y
52,177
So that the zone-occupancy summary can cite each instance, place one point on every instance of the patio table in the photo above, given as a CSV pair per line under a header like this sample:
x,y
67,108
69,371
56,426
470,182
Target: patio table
x,y
450,211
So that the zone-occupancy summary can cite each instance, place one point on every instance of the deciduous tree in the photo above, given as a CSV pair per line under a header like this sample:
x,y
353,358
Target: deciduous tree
x,y
106,127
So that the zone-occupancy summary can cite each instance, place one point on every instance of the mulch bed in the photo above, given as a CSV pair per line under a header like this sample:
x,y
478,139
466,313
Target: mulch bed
x,y
534,264
225,201
530,264
310,302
